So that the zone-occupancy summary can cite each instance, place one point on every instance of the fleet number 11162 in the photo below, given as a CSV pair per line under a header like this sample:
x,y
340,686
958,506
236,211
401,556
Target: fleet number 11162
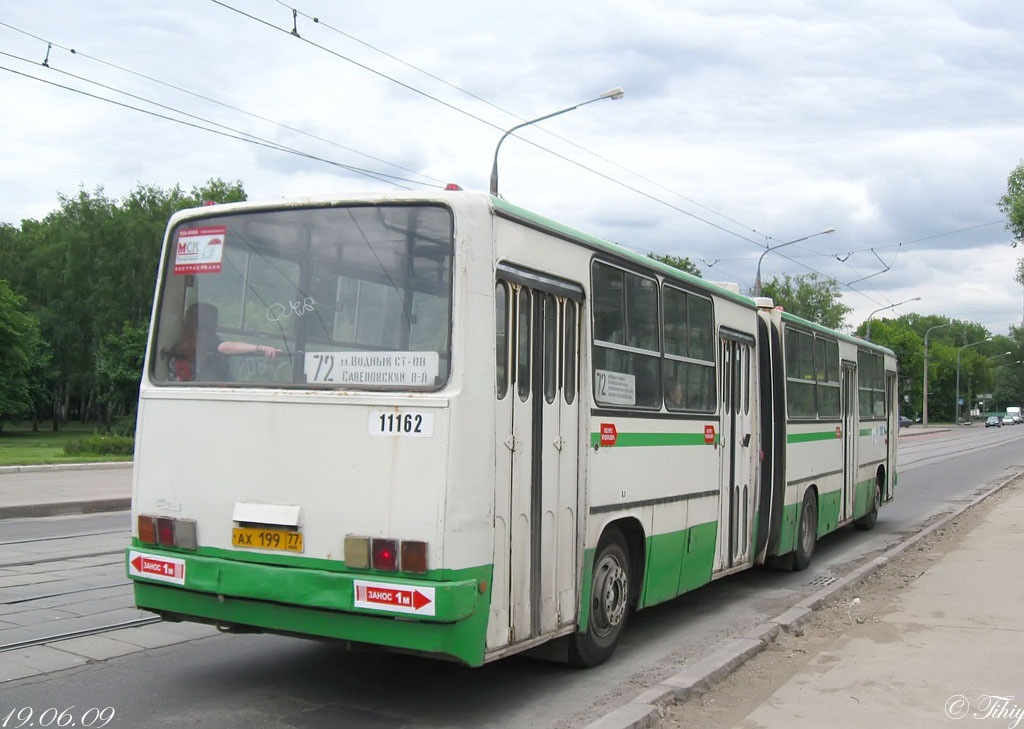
x,y
412,424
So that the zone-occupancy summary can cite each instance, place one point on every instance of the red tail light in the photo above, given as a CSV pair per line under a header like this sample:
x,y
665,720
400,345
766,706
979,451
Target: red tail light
x,y
165,531
385,554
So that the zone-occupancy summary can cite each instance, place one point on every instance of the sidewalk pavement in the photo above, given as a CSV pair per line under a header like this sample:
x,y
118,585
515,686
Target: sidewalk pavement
x,y
946,646
31,491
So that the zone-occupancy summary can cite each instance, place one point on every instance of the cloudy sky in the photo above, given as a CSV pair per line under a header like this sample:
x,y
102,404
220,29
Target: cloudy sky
x,y
745,123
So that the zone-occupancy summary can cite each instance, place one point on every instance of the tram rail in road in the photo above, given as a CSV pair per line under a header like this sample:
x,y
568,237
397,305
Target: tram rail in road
x,y
65,575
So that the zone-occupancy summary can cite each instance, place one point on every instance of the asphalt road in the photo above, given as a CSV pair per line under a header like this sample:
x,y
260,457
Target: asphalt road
x,y
270,681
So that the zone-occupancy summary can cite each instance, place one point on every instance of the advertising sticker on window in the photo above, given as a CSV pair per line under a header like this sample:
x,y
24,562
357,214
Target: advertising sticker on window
x,y
199,250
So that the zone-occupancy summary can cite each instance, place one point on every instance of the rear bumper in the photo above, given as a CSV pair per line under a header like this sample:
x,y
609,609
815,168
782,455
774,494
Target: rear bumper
x,y
315,602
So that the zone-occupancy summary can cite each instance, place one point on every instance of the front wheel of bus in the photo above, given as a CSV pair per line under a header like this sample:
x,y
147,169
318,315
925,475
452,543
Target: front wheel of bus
x,y
808,535
610,588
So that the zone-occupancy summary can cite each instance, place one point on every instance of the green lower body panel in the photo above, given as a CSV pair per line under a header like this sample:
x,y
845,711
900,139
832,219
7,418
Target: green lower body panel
x,y
864,498
787,531
828,511
318,603
678,562
587,581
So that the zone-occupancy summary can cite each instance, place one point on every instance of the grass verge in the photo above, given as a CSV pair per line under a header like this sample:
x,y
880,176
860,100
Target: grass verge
x,y
19,446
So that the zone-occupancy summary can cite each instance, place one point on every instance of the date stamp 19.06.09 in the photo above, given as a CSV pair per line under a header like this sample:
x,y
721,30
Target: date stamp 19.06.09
x,y
27,717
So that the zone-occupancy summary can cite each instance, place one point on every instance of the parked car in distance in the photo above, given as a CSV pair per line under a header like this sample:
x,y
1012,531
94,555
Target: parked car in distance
x,y
1018,419
994,420
1008,420
905,422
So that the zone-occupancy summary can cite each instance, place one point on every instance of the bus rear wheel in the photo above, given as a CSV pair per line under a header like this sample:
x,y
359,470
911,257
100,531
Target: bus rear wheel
x,y
610,588
807,537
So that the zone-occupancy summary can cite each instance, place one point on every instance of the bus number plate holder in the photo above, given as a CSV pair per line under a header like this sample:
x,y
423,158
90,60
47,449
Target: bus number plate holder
x,y
280,540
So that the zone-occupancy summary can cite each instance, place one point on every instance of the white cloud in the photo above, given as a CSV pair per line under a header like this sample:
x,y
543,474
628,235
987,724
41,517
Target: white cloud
x,y
889,122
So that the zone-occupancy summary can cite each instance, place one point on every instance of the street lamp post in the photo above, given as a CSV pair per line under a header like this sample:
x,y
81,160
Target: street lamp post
x,y
890,306
924,416
769,249
958,353
616,93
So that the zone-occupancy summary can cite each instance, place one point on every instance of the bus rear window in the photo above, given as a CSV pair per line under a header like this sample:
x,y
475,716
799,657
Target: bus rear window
x,y
346,297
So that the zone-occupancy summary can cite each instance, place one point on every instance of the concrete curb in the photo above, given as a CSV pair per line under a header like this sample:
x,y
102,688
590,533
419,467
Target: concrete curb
x,y
103,465
63,508
642,711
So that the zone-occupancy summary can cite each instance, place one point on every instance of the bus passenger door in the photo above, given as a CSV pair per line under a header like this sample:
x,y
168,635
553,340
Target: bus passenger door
x,y
850,437
505,328
536,469
737,505
892,424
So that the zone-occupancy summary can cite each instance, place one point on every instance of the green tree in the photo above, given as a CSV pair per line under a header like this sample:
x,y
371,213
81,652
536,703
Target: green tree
x,y
1008,387
119,360
22,356
810,296
1012,204
87,271
680,262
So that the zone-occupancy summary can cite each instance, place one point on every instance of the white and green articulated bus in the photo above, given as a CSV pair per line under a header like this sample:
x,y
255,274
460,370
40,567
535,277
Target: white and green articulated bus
x,y
441,424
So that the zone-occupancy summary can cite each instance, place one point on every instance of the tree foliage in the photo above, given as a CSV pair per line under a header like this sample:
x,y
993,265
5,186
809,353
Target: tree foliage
x,y
23,357
810,296
86,273
985,366
1012,204
681,262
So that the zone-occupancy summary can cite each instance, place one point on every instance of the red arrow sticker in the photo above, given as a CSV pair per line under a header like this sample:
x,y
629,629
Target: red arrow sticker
x,y
609,434
154,567
393,598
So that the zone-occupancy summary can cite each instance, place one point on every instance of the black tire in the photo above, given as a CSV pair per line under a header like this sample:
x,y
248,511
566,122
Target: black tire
x,y
807,532
867,522
610,590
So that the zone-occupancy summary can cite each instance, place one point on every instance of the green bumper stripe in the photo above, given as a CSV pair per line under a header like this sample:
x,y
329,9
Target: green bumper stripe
x,y
463,640
808,437
631,440
312,588
234,592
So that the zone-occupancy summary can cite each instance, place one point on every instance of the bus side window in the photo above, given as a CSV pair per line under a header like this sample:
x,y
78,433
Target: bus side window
x,y
550,348
501,338
523,344
569,364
